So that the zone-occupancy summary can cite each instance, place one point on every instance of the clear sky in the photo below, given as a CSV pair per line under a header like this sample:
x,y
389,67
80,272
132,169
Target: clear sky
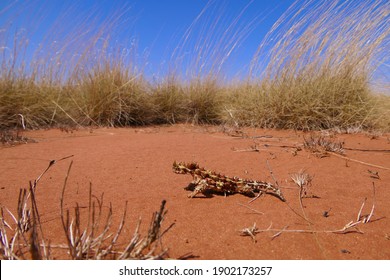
x,y
162,30
191,35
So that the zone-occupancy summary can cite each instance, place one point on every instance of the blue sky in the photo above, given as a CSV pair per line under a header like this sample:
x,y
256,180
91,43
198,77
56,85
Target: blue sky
x,y
154,35
157,28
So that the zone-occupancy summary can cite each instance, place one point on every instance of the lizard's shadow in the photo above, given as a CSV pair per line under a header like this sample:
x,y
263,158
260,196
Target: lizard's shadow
x,y
205,193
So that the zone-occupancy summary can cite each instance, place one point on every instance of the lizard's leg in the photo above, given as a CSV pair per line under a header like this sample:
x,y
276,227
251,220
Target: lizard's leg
x,y
256,197
245,189
201,187
191,186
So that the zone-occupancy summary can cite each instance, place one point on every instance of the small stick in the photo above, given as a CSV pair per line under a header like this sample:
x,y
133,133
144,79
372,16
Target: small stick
x,y
272,173
251,231
254,210
361,209
278,233
373,204
51,163
368,150
22,120
346,229
296,213
358,161
366,218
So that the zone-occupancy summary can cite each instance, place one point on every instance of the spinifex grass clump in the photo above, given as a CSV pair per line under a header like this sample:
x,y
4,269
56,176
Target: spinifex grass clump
x,y
313,70
25,97
204,101
317,73
111,95
169,100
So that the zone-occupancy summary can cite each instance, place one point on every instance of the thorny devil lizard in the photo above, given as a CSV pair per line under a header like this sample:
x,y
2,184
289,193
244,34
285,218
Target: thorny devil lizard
x,y
206,182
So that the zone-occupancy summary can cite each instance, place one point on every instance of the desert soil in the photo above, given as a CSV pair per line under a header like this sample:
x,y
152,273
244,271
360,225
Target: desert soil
x,y
135,165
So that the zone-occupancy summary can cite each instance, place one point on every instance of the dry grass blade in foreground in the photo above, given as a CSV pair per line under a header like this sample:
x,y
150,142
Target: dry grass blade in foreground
x,y
24,238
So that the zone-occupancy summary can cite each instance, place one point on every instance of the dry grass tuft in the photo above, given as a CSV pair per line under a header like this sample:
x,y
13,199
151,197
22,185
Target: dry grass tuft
x,y
23,238
321,145
314,70
13,137
318,72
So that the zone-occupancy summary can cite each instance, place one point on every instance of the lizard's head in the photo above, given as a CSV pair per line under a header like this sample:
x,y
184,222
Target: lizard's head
x,y
184,168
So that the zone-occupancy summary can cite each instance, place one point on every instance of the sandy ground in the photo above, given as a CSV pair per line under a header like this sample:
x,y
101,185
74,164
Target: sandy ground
x,y
135,165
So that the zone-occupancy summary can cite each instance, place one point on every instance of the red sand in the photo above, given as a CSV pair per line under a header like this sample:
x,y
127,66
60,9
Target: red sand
x,y
135,165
